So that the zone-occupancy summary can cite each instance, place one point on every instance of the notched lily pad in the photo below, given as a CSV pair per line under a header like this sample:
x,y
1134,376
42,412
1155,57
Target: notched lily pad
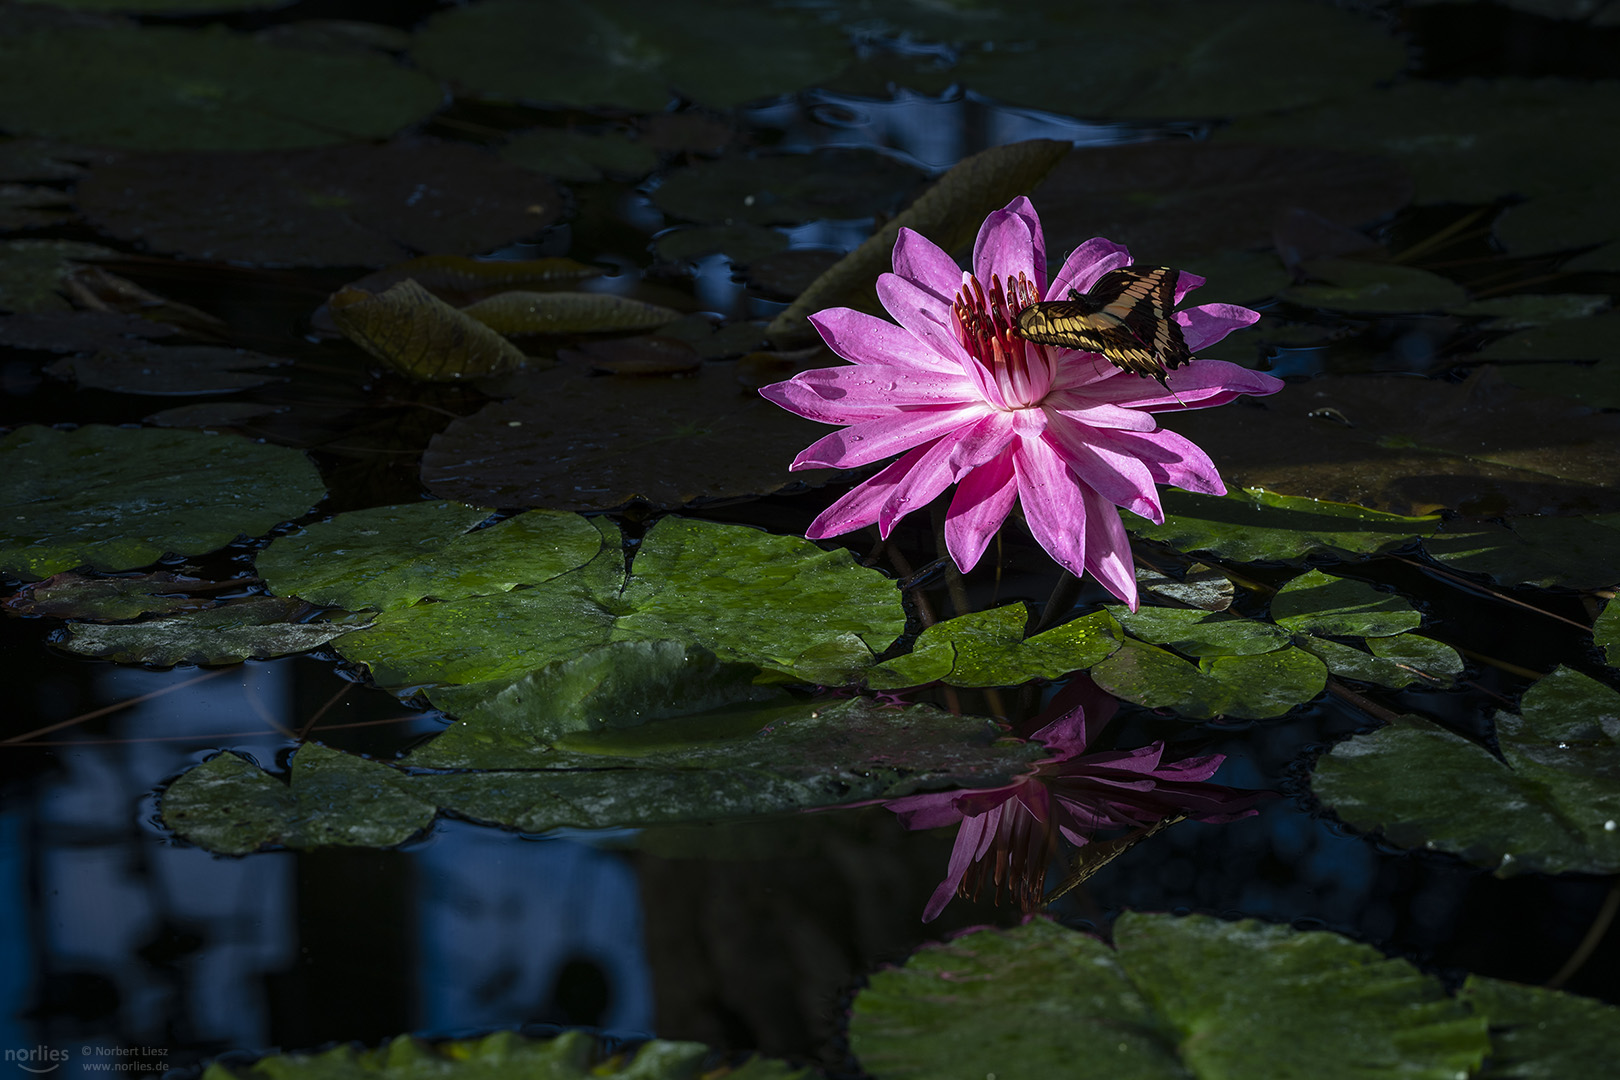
x,y
116,498
336,206
1243,687
1318,603
1567,339
421,336
1253,524
161,370
667,441
1573,552
1541,1034
1548,805
1198,634
258,628
988,648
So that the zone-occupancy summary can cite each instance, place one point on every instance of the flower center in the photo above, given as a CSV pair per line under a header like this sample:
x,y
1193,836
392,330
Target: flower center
x,y
986,327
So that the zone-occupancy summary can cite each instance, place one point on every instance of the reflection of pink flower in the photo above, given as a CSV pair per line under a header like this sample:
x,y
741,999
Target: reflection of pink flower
x,y
967,402
1009,834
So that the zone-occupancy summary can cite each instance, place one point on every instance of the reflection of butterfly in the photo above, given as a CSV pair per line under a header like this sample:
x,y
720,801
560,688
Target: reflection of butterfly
x,y
1125,316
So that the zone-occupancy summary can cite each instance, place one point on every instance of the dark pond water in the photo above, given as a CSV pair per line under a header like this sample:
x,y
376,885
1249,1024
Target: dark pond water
x,y
752,934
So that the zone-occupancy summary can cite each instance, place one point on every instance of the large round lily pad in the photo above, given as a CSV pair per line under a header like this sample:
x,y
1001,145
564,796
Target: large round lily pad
x,y
787,189
335,206
1251,687
1549,804
668,441
1255,524
170,88
1191,998
629,53
117,498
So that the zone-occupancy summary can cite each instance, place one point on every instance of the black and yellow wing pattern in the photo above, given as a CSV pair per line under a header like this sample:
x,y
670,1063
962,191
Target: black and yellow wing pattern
x,y
1125,316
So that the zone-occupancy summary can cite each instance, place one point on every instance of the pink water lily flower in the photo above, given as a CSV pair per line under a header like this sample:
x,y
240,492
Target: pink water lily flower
x,y
1008,835
965,401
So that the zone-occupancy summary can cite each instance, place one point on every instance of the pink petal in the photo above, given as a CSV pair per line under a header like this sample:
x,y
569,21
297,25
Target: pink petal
x,y
859,507
925,264
873,440
967,839
928,810
848,395
945,462
1171,459
924,315
1078,408
1185,284
866,339
1052,504
982,502
1204,326
1108,549
1118,476
1085,264
1010,243
1082,710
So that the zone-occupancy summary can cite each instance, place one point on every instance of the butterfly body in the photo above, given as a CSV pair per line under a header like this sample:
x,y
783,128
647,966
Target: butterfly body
x,y
1126,316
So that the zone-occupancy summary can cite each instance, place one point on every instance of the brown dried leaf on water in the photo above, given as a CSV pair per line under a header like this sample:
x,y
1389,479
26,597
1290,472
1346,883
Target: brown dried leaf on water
x,y
78,331
666,441
94,289
652,354
421,336
164,370
31,272
568,313
948,213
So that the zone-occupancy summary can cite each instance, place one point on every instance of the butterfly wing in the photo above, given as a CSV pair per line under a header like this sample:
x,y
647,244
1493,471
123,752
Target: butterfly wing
x,y
1125,316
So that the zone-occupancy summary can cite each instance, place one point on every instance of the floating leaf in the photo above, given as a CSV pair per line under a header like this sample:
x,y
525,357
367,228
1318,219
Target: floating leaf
x,y
790,758
1567,339
1377,288
1318,603
79,331
786,274
258,628
669,442
1540,1034
462,276
336,206
31,272
1549,805
393,556
787,189
504,1055
421,336
1396,662
161,7
30,207
213,414
1173,201
1574,552
228,806
988,648
1176,998
1200,587
567,313
1525,310
1606,633
185,369
117,498
628,54
741,243
1596,385
577,155
652,354
1246,687
171,88
1255,524
947,213
1201,633
73,596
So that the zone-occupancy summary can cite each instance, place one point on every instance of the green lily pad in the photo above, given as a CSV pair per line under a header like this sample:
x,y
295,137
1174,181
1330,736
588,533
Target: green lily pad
x,y
578,155
1374,288
330,206
1606,632
1525,310
1250,524
1567,339
1540,1034
505,1055
988,648
213,415
1199,586
78,331
628,53
1244,687
689,769
229,806
1318,603
258,628
743,244
116,498
74,596
567,313
160,7
1574,552
421,336
31,272
393,556
171,88
668,442
1549,805
1396,662
1410,445
158,369
1201,633
787,189
1596,385
1177,998
27,206
1173,202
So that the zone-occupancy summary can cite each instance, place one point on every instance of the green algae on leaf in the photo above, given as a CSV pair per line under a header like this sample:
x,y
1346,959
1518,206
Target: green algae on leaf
x,y
1548,805
1318,603
174,88
988,648
421,336
74,596
1176,998
1606,632
117,499
390,557
666,441
1252,524
255,628
1246,687
1572,552
1541,1034
1196,633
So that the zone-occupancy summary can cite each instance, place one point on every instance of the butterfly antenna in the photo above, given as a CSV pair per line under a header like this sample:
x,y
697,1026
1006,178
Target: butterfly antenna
x,y
1164,381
